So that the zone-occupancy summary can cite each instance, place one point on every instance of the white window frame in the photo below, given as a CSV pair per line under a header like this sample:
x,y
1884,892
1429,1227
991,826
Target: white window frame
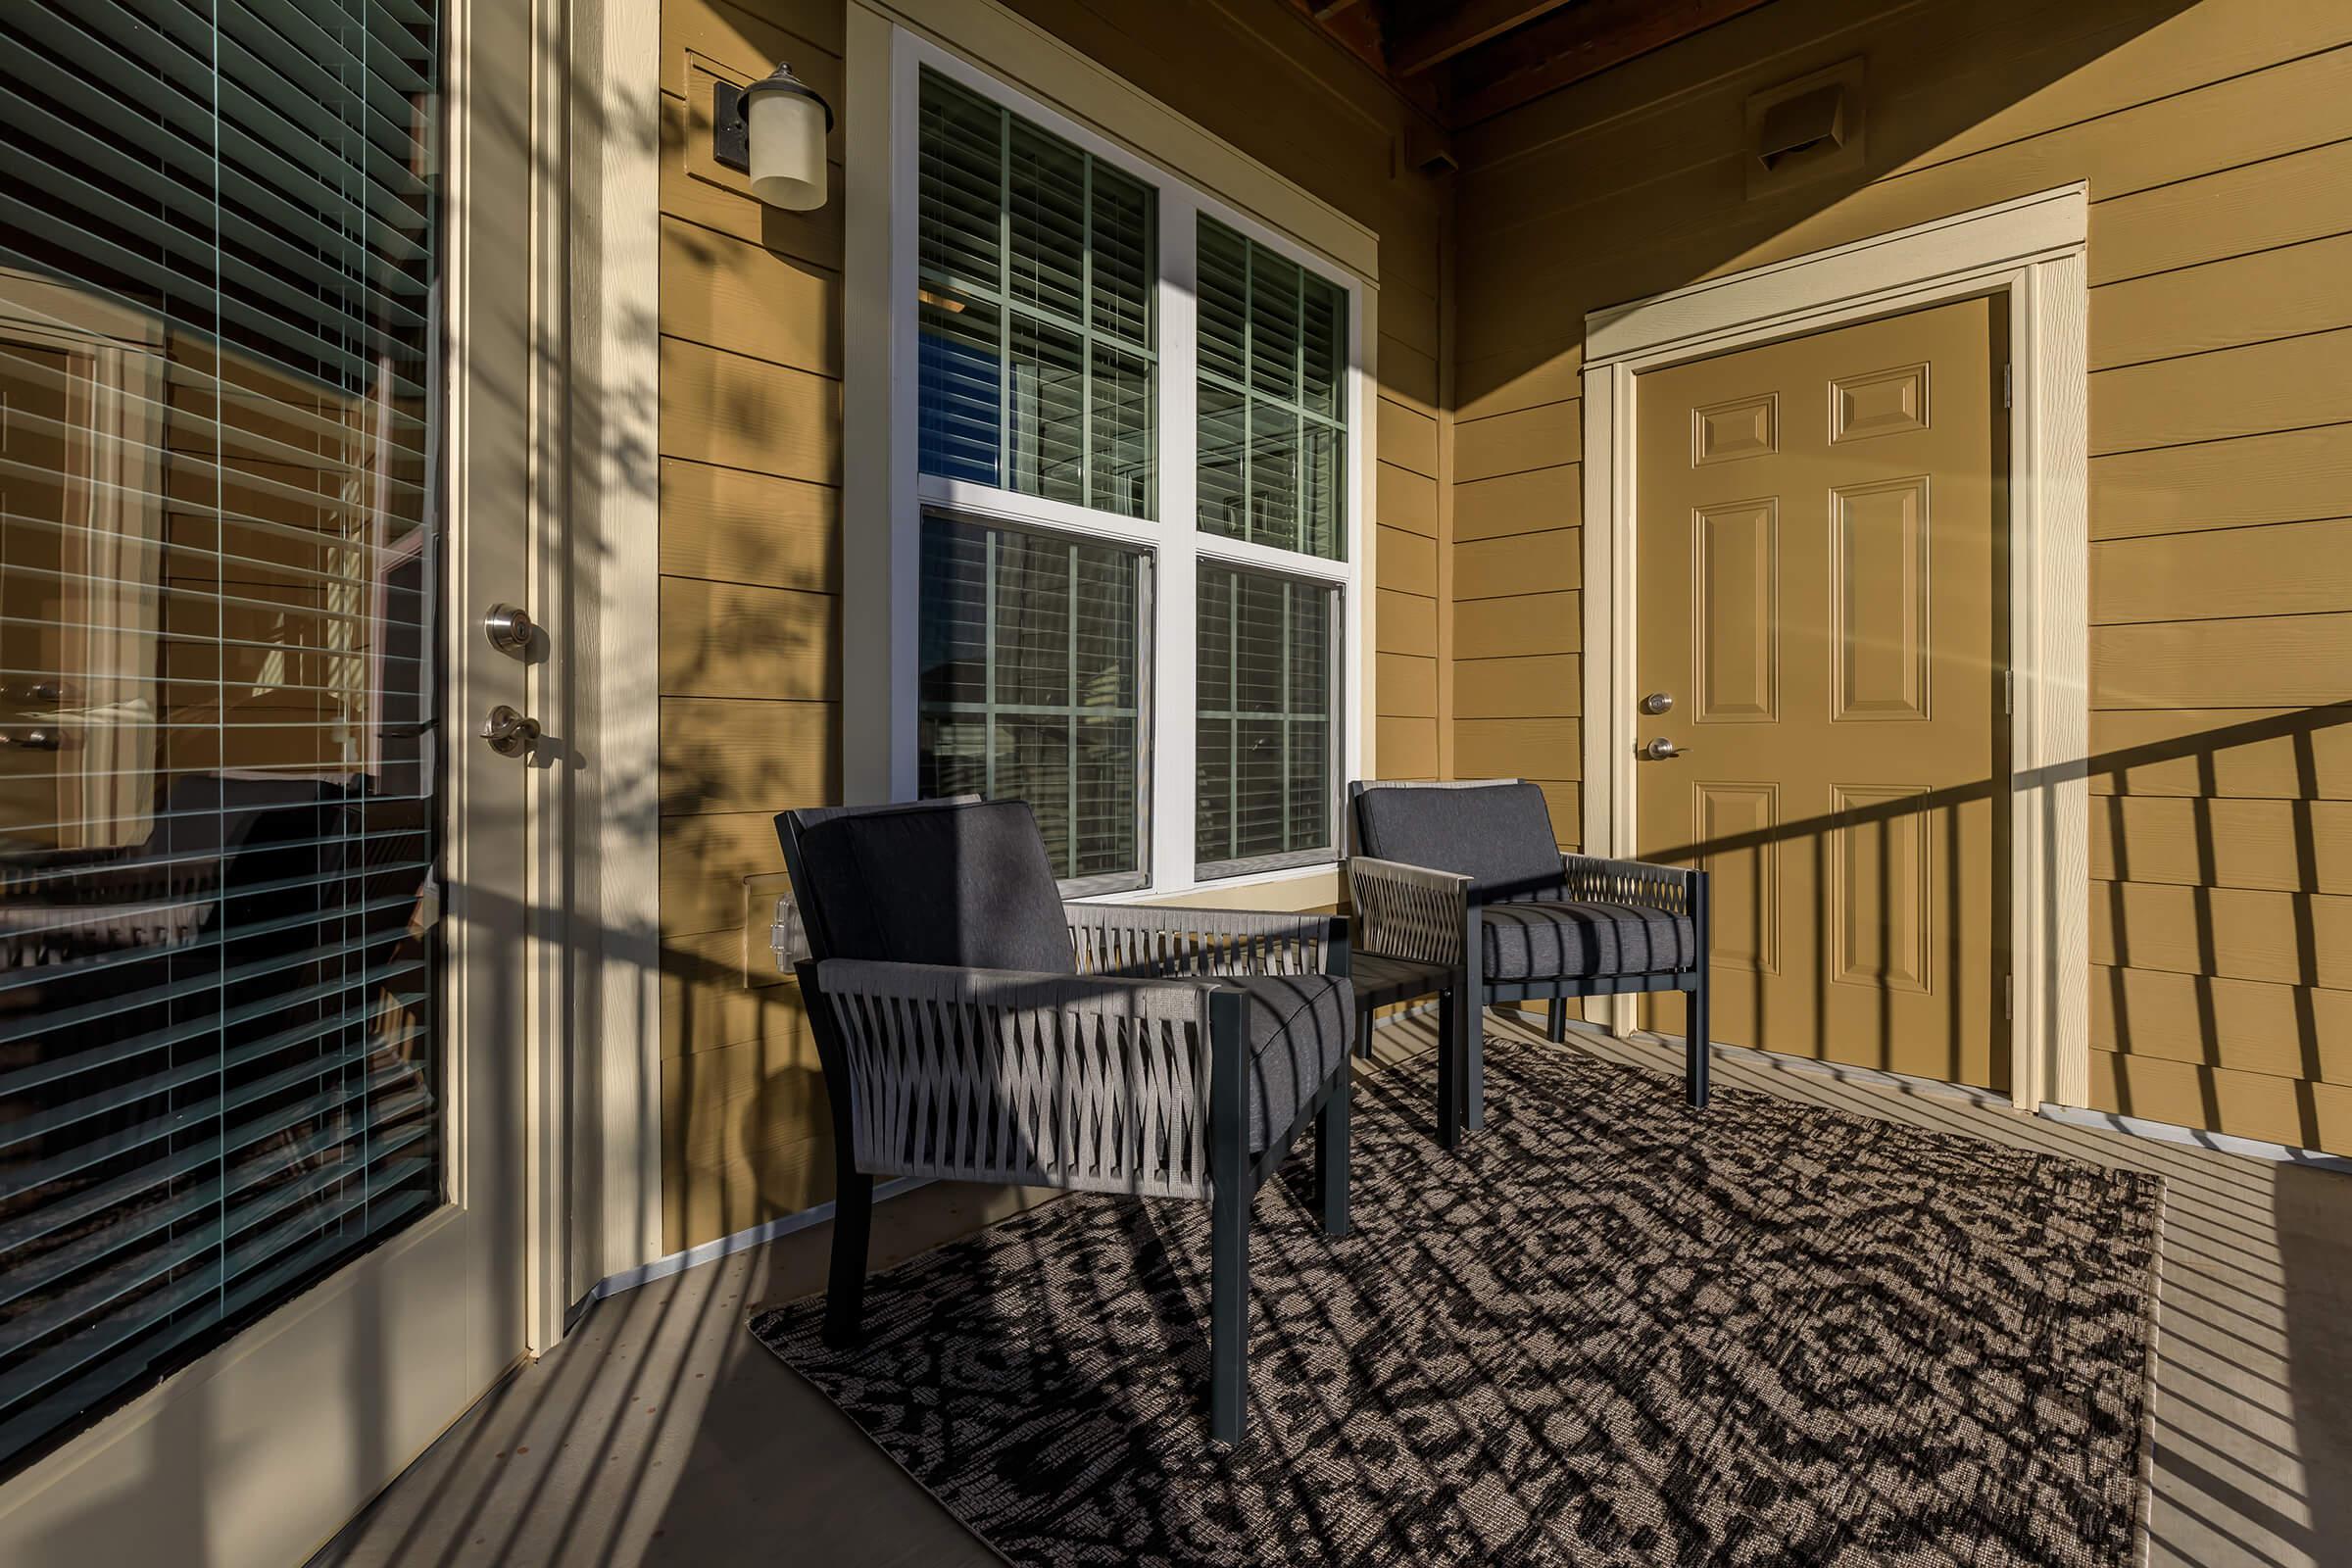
x,y
886,496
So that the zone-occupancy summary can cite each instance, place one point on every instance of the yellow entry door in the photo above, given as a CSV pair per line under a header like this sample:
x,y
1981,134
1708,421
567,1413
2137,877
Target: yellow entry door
x,y
1820,686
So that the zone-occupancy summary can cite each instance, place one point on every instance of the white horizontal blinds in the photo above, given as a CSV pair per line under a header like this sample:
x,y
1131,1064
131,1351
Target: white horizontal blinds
x,y
1264,745
1038,266
1031,685
217,356
1272,413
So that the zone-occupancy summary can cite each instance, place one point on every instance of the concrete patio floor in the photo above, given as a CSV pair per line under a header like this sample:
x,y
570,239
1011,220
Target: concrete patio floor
x,y
660,1433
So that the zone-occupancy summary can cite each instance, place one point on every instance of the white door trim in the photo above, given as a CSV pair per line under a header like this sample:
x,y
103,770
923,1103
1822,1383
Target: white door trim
x,y
2028,252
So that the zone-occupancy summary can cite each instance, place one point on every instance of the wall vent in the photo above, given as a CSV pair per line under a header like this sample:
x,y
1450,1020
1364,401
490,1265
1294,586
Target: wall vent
x,y
1807,129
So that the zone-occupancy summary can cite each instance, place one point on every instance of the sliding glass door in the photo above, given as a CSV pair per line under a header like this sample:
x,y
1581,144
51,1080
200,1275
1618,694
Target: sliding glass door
x,y
246,876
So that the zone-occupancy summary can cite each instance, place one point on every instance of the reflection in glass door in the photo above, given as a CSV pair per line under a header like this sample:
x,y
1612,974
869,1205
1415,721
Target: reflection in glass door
x,y
218,579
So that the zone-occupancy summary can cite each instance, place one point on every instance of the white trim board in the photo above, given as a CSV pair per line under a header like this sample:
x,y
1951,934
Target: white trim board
x,y
2027,252
711,1252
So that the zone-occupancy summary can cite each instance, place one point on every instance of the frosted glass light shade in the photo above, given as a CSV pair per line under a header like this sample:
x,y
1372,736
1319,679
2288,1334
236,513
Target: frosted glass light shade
x,y
788,127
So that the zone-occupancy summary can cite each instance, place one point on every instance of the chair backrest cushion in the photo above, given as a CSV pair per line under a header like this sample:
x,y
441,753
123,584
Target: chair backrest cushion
x,y
966,884
1498,834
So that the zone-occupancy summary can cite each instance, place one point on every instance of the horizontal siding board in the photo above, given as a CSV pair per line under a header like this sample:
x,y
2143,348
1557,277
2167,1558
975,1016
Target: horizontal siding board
x,y
2284,846
1406,624
1405,686
2288,292
704,861
735,755
2261,1105
1407,375
2263,662
1409,438
1518,563
1528,502
1406,499
1524,623
1407,748
2239,1025
2256,206
2250,754
1541,437
732,526
2283,569
1407,561
1538,686
723,639
2290,477
2289,386
2240,933
1517,748
732,294
747,414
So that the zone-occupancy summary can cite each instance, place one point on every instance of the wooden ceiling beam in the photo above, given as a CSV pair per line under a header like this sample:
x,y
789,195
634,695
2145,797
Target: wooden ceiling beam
x,y
1584,41
1463,28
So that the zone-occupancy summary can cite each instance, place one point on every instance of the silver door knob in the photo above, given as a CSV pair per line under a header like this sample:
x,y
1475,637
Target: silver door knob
x,y
1658,702
1662,750
509,733
509,629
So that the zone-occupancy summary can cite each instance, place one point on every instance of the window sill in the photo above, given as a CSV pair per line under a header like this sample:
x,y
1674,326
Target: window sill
x,y
1294,887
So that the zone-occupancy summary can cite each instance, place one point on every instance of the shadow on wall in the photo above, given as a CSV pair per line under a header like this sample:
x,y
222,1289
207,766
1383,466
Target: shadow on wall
x,y
2187,1023
1658,186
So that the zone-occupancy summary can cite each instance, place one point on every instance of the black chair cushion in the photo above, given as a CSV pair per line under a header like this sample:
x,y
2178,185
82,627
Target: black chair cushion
x,y
1499,835
966,884
1574,941
1300,1026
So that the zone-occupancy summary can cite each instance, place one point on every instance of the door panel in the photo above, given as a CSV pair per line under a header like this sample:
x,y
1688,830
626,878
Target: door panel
x,y
1815,573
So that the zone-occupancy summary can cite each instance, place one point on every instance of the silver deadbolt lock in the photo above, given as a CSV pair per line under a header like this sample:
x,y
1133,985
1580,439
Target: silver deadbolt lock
x,y
509,733
1662,750
1658,702
509,629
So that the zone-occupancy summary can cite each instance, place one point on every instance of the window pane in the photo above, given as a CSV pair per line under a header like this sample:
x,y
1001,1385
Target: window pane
x,y
1273,439
961,394
1264,745
1124,458
220,575
1039,266
1031,679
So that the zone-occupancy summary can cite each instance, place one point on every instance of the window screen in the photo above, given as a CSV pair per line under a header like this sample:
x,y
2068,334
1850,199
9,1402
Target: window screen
x,y
1038,264
1031,679
1263,748
1273,413
219,1067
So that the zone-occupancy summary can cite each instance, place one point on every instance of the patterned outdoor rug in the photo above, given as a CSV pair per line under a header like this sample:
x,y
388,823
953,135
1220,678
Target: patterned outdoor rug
x,y
1608,1331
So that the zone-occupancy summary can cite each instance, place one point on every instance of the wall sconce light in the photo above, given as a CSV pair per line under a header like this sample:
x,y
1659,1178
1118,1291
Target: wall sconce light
x,y
774,130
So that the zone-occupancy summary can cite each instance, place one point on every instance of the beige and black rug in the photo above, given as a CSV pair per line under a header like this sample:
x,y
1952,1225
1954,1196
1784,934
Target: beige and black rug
x,y
1609,1331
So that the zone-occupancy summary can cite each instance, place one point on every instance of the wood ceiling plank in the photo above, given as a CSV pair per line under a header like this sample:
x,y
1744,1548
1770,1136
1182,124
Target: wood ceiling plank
x,y
1463,28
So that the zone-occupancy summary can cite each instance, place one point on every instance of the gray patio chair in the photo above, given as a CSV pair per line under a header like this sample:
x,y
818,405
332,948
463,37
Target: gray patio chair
x,y
1468,875
973,1026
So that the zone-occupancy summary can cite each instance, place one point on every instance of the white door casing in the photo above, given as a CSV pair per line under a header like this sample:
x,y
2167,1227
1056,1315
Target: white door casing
x,y
2029,252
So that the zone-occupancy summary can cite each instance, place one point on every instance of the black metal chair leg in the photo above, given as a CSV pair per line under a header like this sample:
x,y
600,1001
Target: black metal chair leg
x,y
1449,1069
1555,1021
1694,1044
1330,1156
1229,1220
1474,1058
1363,1034
852,1229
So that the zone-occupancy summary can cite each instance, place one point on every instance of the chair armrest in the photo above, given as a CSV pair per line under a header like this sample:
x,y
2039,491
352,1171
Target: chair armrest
x,y
1593,879
1165,942
1092,1082
1410,912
